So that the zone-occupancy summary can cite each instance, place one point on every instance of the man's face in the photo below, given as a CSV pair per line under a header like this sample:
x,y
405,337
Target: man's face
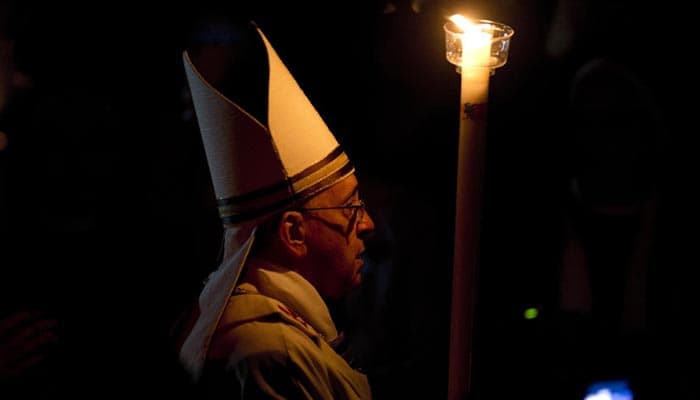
x,y
334,240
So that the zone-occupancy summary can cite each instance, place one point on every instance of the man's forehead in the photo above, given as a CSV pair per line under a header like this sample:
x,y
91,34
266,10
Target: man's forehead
x,y
342,190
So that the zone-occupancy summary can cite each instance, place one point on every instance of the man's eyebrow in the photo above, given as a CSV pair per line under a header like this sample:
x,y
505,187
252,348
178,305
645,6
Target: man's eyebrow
x,y
352,194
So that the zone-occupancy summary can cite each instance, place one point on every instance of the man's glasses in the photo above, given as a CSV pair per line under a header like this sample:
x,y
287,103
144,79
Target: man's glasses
x,y
356,211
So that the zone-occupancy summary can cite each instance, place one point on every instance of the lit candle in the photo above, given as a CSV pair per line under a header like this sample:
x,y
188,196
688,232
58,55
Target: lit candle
x,y
475,67
475,73
477,50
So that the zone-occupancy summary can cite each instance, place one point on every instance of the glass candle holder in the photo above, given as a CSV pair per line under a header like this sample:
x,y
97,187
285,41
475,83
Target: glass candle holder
x,y
499,33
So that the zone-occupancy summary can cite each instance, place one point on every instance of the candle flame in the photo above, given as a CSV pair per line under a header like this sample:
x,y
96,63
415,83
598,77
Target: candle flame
x,y
462,22
473,35
475,40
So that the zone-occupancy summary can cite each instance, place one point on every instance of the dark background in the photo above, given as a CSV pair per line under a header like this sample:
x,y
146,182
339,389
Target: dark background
x,y
108,223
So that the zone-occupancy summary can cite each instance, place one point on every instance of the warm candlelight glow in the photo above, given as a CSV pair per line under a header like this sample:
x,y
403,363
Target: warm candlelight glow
x,y
461,21
477,49
476,41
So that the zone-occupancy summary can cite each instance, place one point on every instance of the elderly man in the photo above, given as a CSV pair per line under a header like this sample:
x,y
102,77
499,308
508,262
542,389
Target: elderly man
x,y
294,225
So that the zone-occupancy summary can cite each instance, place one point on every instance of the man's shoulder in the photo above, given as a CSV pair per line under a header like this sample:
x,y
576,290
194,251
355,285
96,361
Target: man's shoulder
x,y
248,307
257,325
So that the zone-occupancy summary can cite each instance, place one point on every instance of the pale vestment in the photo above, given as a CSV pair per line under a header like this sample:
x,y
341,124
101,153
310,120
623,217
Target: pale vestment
x,y
275,336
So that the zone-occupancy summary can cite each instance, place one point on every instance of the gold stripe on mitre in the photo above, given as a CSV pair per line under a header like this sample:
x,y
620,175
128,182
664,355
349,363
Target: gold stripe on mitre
x,y
322,175
314,179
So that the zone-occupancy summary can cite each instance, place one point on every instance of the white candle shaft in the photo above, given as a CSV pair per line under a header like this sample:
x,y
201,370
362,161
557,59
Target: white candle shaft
x,y
472,135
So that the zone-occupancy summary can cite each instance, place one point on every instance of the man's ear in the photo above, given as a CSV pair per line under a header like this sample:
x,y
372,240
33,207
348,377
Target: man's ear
x,y
292,233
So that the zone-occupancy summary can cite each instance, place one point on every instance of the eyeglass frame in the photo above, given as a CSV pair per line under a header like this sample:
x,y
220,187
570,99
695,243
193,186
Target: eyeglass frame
x,y
357,209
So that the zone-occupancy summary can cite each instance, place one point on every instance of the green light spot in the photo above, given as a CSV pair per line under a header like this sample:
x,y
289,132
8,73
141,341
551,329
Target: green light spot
x,y
531,313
